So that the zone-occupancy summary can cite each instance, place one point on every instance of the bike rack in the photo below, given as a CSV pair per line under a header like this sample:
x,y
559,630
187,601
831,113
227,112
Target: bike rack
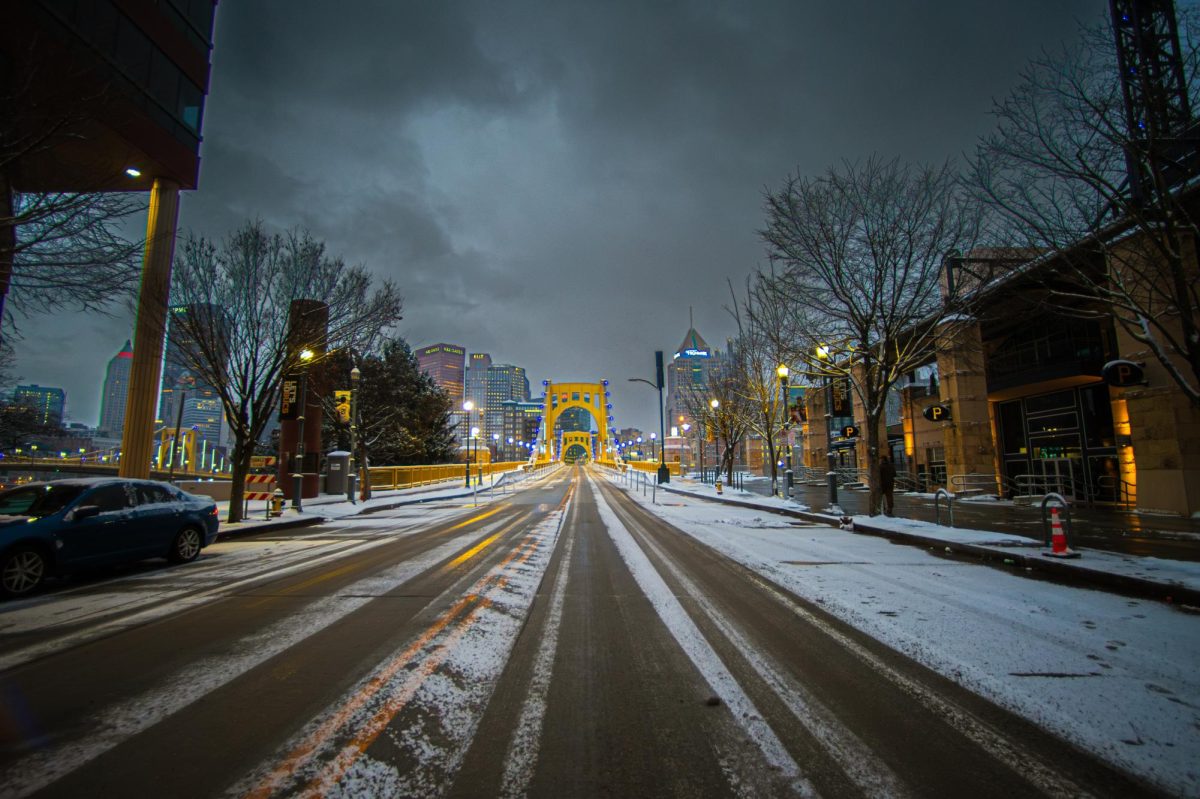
x,y
1065,508
937,506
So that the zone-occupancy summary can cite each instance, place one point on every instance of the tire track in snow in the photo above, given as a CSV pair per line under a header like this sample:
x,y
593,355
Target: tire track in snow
x,y
523,749
700,652
446,675
857,761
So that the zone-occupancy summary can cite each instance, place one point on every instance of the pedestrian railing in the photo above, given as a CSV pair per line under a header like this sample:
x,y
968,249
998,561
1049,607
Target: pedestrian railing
x,y
976,483
905,481
1032,486
1114,489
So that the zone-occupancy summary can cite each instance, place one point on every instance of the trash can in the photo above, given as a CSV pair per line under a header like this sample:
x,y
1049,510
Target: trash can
x,y
338,465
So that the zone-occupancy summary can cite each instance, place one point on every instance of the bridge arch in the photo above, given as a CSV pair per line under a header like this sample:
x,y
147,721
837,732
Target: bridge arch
x,y
576,444
591,397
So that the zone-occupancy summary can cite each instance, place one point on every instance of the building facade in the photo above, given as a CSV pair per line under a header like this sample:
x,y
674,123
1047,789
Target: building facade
x,y
1022,410
445,364
688,376
50,403
505,383
115,393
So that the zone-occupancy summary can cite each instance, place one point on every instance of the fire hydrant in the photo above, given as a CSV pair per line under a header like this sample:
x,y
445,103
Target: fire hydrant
x,y
718,486
277,502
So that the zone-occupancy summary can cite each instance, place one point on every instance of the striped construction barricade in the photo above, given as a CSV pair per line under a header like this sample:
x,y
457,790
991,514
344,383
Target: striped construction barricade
x,y
258,487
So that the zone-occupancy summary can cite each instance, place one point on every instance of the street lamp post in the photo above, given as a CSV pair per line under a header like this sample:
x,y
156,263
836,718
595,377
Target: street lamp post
x,y
714,404
782,372
653,450
306,355
495,456
352,478
664,472
467,407
831,458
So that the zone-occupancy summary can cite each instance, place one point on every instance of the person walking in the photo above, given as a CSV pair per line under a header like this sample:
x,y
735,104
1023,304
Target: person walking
x,y
887,483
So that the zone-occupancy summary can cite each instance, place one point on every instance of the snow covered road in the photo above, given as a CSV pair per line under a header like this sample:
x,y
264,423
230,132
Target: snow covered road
x,y
571,640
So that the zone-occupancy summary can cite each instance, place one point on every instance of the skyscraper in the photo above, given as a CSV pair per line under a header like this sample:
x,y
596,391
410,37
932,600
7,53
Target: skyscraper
x,y
48,402
180,375
116,389
444,363
688,375
505,383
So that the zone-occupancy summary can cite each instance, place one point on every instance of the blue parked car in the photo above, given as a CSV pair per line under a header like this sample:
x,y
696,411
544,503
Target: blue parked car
x,y
65,525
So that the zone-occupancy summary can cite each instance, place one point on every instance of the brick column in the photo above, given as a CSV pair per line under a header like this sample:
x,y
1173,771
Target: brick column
x,y
970,447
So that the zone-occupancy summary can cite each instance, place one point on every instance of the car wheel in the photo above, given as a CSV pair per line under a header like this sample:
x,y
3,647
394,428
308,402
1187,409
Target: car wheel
x,y
22,571
186,546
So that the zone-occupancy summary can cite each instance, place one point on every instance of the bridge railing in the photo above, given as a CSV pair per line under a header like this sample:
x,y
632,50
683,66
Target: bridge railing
x,y
411,476
652,467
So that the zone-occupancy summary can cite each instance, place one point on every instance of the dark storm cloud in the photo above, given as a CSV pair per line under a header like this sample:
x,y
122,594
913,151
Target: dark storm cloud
x,y
556,183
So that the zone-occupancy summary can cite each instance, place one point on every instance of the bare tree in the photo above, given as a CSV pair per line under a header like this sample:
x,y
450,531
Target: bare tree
x,y
764,343
862,249
238,295
1057,169
726,422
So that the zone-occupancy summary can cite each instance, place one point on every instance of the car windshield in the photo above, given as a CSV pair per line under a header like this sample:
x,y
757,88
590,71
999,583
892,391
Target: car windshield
x,y
37,501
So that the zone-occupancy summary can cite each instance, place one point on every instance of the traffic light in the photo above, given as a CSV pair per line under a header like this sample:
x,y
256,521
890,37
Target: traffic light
x,y
341,404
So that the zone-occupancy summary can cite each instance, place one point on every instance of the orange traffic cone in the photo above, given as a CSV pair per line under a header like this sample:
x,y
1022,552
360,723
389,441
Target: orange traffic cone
x,y
1058,538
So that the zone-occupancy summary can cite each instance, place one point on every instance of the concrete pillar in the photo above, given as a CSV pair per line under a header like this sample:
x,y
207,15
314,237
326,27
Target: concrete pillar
x,y
970,448
141,402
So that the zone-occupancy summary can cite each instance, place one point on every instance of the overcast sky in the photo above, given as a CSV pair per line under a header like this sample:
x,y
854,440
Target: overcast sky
x,y
556,183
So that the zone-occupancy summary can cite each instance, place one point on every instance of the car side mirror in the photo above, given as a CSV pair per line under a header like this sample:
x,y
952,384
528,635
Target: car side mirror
x,y
84,512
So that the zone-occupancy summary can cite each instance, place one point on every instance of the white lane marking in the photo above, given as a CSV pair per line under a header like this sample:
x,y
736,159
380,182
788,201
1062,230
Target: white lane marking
x,y
523,749
855,758
113,725
1004,749
700,652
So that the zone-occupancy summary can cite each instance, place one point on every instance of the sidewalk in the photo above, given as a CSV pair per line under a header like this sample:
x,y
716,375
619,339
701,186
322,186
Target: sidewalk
x,y
1096,527
1172,581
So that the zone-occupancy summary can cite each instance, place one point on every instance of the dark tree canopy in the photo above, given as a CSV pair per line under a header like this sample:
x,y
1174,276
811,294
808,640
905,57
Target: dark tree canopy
x,y
405,416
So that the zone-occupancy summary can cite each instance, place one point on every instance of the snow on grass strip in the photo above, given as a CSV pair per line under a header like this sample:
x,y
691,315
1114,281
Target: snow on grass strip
x,y
699,651
523,749
856,759
445,677
112,726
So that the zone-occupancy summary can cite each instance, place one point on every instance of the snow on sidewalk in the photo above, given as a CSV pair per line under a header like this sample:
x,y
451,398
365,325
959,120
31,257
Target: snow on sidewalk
x,y
1113,675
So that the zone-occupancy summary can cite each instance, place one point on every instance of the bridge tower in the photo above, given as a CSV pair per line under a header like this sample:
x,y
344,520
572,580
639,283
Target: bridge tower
x,y
591,397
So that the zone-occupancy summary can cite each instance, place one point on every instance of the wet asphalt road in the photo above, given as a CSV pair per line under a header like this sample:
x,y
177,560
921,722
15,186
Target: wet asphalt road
x,y
562,643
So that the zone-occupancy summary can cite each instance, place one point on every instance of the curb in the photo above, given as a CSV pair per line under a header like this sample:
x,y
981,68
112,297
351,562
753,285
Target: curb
x,y
272,525
1073,572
